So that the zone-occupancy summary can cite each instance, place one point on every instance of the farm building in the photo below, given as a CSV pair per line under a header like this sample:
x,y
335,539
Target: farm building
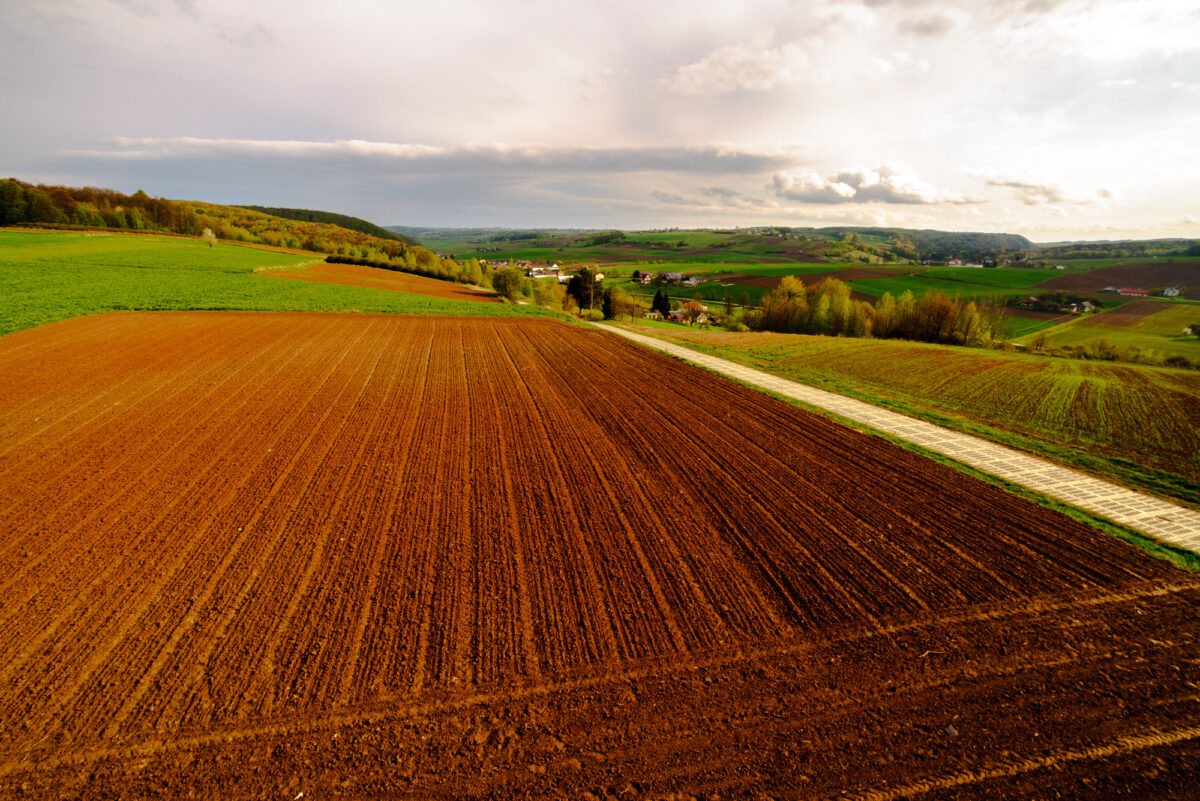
x,y
1137,293
1171,292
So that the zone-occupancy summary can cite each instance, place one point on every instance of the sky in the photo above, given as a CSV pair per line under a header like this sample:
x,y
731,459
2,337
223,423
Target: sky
x,y
1056,119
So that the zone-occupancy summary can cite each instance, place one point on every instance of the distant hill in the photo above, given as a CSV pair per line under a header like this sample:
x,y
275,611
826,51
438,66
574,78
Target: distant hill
x,y
333,218
91,207
924,244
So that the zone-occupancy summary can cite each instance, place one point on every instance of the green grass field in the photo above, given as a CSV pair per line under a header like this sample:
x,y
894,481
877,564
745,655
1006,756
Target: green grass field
x,y
1161,332
1131,423
47,277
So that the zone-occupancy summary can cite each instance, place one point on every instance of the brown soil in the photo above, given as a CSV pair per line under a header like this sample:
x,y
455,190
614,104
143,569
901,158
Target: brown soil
x,y
1130,313
1143,275
376,278
254,555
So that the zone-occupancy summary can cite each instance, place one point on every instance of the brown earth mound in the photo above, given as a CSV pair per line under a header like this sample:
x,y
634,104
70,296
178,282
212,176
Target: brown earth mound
x,y
375,278
298,555
1143,275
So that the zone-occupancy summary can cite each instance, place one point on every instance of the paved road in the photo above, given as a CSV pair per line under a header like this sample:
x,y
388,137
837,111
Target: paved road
x,y
1158,518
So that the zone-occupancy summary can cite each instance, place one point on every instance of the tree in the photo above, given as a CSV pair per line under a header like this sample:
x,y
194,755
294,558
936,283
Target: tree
x,y
661,304
508,283
584,286
208,236
606,305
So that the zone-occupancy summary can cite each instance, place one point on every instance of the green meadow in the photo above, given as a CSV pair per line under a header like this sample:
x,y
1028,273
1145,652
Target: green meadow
x,y
45,277
1161,331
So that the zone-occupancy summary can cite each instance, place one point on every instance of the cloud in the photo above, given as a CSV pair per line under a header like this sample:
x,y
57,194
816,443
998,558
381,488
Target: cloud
x,y
756,65
931,26
890,183
706,159
1039,190
715,197
1122,82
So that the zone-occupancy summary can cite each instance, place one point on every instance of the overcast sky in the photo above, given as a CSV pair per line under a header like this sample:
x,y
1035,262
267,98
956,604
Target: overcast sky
x,y
1057,119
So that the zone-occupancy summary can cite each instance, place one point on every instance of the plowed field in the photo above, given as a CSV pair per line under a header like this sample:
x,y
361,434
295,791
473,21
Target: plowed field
x,y
297,555
375,278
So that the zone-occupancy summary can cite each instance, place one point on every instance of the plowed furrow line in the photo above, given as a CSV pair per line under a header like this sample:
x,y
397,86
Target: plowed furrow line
x,y
829,501
146,385
239,574
1052,761
620,553
40,598
100,497
567,593
589,525
468,585
508,613
102,373
433,487
746,605
307,664
825,600
207,551
362,672
244,638
199,587
1010,615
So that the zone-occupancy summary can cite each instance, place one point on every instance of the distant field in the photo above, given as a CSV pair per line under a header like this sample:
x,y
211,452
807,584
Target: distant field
x,y
391,280
1134,423
55,276
1152,275
1161,331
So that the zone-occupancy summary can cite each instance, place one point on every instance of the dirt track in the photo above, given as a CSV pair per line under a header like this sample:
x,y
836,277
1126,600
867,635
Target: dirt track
x,y
264,554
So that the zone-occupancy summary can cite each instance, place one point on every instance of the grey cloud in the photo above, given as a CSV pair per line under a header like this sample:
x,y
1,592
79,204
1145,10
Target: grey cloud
x,y
1035,190
891,183
931,27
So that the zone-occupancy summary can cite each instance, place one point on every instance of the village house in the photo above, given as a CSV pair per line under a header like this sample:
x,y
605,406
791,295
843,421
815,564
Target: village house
x,y
1171,292
1131,292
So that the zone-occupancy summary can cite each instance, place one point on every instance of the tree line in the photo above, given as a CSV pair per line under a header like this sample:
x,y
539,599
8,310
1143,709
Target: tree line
x,y
91,207
829,309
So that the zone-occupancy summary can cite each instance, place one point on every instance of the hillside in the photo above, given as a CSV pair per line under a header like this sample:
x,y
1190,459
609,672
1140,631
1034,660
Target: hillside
x,y
92,207
333,218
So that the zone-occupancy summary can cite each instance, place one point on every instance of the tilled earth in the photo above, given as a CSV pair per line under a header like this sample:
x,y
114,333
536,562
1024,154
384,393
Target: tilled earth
x,y
307,556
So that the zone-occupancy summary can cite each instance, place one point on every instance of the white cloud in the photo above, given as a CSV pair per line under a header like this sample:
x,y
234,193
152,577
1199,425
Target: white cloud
x,y
756,65
889,183
700,159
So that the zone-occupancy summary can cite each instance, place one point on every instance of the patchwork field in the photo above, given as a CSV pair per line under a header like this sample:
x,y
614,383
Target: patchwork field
x,y
1150,325
1143,275
314,555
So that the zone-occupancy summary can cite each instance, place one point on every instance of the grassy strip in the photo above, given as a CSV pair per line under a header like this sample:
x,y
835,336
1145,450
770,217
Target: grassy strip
x,y
1176,555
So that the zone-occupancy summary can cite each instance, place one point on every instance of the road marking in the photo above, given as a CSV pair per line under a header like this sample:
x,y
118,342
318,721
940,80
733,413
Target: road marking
x,y
1158,518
